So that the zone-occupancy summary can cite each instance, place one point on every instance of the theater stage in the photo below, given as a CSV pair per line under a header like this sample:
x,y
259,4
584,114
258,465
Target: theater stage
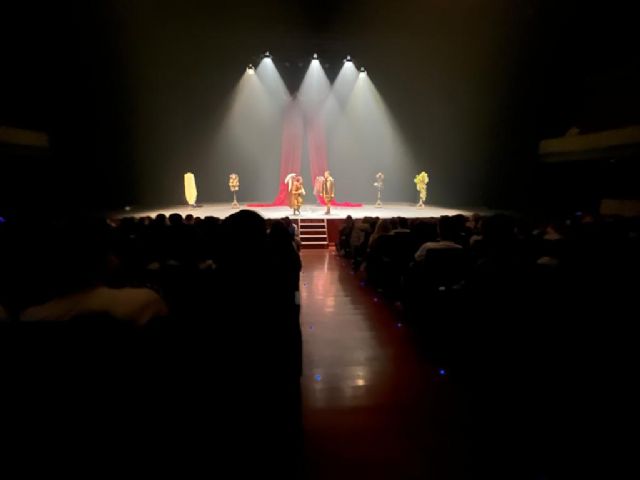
x,y
309,211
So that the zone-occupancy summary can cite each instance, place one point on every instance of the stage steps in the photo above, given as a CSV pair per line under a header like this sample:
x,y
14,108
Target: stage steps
x,y
313,233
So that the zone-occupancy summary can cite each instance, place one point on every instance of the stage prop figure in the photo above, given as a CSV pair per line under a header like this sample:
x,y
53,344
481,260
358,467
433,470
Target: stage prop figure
x,y
190,191
379,184
234,186
297,194
421,181
328,190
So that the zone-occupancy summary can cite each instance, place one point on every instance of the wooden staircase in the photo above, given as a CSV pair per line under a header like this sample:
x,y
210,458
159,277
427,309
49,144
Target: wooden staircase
x,y
313,233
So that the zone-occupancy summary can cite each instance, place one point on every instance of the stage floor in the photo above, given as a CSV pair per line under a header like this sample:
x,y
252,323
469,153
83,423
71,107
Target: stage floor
x,y
388,210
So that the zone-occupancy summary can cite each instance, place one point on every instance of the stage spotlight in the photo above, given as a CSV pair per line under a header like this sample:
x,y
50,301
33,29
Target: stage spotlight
x,y
348,59
363,72
266,54
315,56
251,70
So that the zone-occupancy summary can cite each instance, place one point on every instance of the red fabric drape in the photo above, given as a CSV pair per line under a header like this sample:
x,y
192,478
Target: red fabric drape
x,y
317,151
290,153
317,143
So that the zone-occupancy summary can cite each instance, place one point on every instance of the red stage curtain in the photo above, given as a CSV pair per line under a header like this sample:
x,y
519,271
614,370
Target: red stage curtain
x,y
290,153
317,143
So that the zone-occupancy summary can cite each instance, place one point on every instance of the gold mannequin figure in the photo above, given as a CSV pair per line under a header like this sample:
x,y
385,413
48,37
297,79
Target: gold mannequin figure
x,y
421,181
190,191
380,185
297,195
328,190
234,186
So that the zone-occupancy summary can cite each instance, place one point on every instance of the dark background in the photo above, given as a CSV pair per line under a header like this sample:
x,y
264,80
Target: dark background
x,y
132,92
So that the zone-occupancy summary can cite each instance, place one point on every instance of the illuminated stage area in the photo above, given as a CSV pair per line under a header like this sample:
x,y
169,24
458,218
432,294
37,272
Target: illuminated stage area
x,y
390,210
278,126
312,128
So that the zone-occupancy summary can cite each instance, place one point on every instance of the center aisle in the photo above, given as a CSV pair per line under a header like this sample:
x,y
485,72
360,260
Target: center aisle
x,y
372,406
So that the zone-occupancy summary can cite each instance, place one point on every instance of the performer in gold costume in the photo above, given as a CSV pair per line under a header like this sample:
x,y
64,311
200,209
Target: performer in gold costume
x,y
297,195
421,181
328,190
234,186
317,187
289,180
